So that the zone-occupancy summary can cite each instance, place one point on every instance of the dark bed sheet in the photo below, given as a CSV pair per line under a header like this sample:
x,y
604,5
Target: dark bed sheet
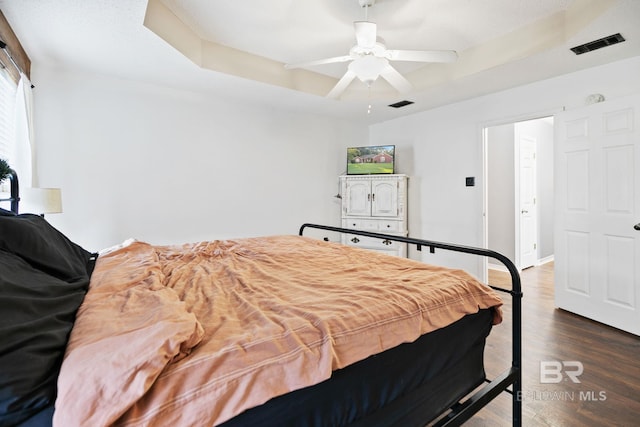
x,y
413,383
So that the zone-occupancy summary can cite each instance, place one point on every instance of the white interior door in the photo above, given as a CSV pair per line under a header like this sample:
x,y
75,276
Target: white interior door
x,y
597,184
526,209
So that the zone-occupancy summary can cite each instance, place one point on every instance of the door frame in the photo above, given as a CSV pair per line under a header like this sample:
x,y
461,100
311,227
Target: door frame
x,y
482,137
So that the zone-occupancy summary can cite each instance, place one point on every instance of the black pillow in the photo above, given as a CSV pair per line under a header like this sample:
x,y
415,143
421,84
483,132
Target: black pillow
x,y
32,238
43,279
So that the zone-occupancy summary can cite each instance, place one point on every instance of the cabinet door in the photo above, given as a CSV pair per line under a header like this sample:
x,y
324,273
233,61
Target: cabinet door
x,y
358,198
384,198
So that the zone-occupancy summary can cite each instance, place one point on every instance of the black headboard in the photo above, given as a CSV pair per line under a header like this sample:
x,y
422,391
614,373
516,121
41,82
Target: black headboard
x,y
15,192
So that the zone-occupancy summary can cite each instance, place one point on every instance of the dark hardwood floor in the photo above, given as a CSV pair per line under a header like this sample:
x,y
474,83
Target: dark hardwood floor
x,y
608,393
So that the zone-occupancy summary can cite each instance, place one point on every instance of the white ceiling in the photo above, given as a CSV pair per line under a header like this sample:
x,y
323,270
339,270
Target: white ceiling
x,y
236,49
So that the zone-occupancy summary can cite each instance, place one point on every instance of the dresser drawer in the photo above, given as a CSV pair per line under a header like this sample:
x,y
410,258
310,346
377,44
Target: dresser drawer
x,y
374,225
354,224
380,245
389,226
370,225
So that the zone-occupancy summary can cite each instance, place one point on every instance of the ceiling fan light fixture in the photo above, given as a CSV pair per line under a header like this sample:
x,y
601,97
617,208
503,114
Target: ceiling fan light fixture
x,y
368,68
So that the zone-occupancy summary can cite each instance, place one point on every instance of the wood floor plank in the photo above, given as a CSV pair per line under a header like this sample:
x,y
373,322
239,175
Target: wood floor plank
x,y
608,393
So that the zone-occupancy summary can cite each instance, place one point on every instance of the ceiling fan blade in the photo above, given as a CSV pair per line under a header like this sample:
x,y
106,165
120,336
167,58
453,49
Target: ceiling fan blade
x,y
422,55
396,79
342,84
365,33
319,62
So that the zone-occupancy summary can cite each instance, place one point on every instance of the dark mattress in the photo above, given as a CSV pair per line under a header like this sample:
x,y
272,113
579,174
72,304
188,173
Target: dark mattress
x,y
412,383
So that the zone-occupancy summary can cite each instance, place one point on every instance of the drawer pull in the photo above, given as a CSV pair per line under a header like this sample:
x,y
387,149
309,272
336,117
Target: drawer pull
x,y
355,240
387,242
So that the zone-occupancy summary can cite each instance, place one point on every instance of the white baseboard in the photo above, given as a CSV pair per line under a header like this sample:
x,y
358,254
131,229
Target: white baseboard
x,y
500,267
545,260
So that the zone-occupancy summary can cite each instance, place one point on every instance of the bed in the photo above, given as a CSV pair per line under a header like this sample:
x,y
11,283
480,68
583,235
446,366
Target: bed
x,y
264,331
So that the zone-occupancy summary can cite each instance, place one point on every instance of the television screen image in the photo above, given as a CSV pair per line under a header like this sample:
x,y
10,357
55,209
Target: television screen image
x,y
370,160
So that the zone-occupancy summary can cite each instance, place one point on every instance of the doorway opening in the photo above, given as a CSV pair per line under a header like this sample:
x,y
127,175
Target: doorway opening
x,y
519,194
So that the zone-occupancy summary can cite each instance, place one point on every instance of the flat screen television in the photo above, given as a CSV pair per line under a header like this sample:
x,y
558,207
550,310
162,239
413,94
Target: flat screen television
x,y
378,159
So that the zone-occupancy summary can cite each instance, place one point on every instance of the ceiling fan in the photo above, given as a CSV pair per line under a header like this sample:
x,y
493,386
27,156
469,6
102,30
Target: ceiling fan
x,y
370,59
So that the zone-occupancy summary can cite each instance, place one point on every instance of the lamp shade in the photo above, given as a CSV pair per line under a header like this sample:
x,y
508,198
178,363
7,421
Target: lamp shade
x,y
368,68
41,200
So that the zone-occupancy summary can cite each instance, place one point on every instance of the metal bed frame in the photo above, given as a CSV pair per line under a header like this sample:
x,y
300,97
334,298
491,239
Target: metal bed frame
x,y
465,409
15,192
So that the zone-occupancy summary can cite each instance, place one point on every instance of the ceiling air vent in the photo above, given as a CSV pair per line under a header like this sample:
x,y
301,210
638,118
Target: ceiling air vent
x,y
597,44
401,104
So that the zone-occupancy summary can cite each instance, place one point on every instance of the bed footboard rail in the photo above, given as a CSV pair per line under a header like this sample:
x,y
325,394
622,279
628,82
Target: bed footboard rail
x,y
510,377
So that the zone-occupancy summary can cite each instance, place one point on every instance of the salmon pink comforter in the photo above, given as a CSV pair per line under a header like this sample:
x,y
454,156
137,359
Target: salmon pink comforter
x,y
196,334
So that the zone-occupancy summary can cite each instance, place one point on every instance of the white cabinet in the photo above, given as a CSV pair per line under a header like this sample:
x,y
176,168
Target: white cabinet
x,y
376,203
371,197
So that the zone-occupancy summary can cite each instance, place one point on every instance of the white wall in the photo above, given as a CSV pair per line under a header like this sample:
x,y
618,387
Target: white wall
x,y
122,151
137,160
440,147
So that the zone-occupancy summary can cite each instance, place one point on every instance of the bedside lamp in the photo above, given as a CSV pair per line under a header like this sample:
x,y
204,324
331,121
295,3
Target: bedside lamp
x,y
41,200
